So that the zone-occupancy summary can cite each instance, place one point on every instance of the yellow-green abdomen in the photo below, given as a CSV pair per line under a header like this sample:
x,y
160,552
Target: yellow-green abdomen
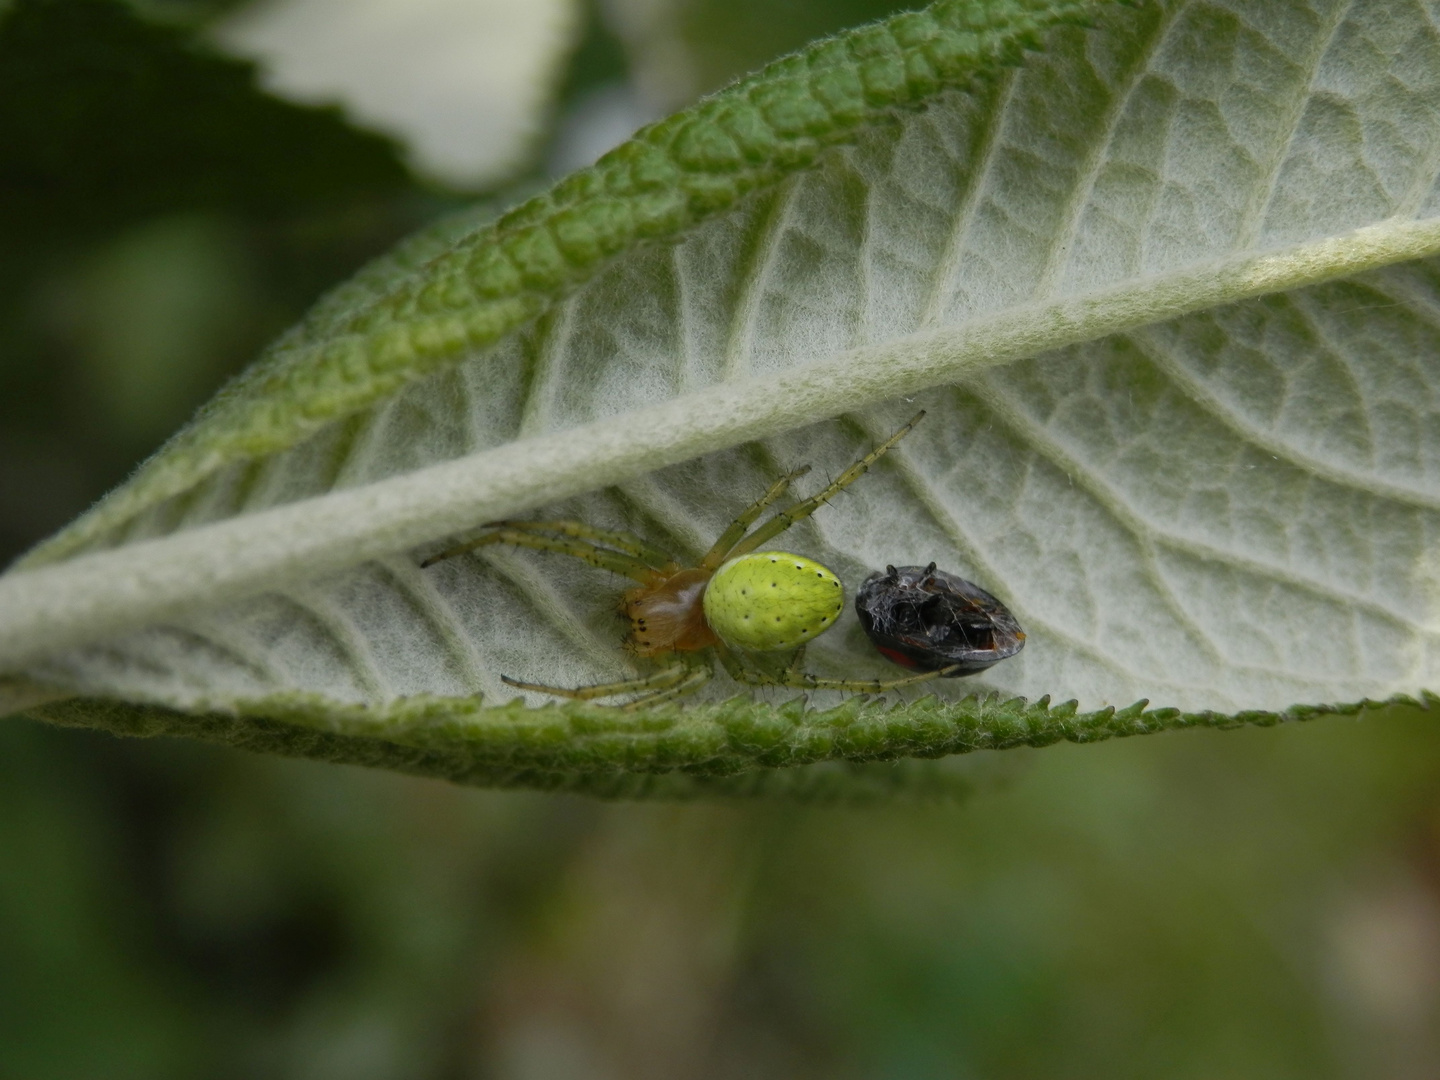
x,y
771,600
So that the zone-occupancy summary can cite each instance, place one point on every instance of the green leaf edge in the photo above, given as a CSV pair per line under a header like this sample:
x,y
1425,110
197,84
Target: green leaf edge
x,y
667,178
731,748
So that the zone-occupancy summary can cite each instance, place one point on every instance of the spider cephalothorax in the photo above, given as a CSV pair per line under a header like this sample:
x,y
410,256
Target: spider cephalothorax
x,y
669,616
736,601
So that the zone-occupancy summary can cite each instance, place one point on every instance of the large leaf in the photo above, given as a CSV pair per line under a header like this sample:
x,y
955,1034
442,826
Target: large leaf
x,y
1167,288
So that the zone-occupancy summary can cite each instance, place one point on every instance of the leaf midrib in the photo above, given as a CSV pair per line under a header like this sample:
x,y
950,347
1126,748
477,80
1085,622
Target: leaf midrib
x,y
95,595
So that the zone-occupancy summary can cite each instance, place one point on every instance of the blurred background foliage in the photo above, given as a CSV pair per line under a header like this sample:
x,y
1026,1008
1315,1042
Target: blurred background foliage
x,y
1257,903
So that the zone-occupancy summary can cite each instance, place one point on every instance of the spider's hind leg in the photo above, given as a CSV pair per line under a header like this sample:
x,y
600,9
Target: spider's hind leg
x,y
660,681
697,678
792,676
803,681
796,662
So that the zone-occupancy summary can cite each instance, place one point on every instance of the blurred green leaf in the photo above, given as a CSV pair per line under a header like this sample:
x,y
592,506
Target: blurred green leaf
x,y
696,46
158,297
162,218
109,118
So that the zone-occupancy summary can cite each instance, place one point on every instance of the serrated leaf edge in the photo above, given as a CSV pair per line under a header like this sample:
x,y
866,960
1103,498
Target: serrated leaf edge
x,y
664,752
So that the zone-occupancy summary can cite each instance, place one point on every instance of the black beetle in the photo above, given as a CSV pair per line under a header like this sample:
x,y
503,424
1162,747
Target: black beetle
x,y
923,618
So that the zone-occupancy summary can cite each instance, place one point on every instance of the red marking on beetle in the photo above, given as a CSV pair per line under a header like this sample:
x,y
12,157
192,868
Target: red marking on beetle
x,y
896,657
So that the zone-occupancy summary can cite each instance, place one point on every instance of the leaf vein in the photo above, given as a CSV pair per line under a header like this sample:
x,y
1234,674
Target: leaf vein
x,y
947,267
1250,229
1226,414
420,590
755,276
1039,439
1097,157
343,635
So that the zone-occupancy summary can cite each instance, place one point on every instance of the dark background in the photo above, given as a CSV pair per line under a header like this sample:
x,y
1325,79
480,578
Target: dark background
x,y
1257,903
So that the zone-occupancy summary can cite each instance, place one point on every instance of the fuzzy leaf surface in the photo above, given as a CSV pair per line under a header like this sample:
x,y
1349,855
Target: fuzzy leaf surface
x,y
1167,285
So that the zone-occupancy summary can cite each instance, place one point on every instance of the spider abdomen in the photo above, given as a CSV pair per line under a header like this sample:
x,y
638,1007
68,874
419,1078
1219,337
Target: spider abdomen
x,y
768,601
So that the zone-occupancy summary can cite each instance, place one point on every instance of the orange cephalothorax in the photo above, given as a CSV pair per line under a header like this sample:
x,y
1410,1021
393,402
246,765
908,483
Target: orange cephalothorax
x,y
670,616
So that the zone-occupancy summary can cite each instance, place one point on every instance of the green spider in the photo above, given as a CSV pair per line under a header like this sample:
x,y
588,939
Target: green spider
x,y
738,601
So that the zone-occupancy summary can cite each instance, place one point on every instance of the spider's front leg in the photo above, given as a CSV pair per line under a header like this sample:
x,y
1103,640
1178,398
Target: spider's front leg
x,y
573,541
801,510
720,550
619,539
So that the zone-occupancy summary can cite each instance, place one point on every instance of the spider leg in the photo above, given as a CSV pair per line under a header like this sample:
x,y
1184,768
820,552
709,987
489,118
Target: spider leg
x,y
804,681
698,677
796,661
663,679
720,550
616,562
794,677
801,510
618,539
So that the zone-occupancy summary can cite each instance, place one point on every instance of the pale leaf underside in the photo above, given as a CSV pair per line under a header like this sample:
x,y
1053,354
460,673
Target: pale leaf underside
x,y
1232,509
